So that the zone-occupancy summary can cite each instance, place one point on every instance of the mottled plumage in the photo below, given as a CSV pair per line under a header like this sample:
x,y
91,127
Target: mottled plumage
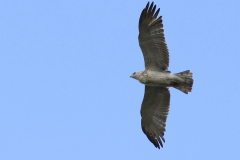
x,y
156,78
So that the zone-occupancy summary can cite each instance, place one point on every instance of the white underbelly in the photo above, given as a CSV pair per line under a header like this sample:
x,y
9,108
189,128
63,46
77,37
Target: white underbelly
x,y
161,79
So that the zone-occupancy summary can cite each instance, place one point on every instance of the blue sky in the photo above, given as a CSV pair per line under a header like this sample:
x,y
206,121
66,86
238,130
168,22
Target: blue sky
x,y
65,90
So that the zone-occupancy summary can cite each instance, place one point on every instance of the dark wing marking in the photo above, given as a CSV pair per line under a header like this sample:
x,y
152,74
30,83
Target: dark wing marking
x,y
152,40
154,112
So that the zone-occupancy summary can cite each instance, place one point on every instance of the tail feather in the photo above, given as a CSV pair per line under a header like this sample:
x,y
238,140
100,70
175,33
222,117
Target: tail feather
x,y
185,86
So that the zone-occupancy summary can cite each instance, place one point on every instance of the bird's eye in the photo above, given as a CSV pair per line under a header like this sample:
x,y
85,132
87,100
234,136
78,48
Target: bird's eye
x,y
134,72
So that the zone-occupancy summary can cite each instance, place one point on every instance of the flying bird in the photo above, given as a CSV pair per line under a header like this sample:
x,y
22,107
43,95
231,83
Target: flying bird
x,y
156,77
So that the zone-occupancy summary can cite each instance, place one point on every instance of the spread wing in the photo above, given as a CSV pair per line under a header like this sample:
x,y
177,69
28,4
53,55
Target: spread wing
x,y
152,40
154,112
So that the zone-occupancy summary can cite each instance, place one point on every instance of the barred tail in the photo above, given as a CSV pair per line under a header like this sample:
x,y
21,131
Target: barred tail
x,y
185,86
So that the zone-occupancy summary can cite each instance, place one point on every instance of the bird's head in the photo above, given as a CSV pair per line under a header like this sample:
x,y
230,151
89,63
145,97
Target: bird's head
x,y
136,75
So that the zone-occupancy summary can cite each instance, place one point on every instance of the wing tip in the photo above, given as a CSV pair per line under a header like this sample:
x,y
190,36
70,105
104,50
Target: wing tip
x,y
157,141
149,12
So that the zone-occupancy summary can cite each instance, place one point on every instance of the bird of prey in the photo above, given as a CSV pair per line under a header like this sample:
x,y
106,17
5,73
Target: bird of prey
x,y
156,77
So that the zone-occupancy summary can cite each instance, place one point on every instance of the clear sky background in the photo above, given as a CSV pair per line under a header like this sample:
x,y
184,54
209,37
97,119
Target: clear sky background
x,y
66,91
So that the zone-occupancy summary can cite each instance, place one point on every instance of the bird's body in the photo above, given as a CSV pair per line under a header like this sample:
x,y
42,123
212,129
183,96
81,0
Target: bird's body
x,y
156,77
